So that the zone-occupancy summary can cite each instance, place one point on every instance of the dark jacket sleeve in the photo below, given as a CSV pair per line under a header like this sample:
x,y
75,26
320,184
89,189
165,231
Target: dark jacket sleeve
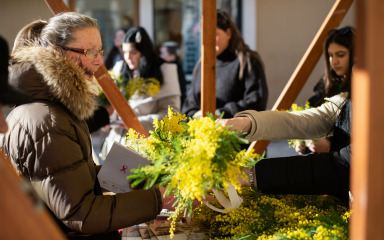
x,y
98,120
255,93
324,173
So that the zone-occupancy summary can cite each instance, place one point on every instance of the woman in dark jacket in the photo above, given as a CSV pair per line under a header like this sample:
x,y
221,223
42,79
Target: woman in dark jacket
x,y
48,140
240,78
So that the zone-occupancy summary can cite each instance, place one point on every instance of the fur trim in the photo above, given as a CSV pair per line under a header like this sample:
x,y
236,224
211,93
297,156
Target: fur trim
x,y
67,82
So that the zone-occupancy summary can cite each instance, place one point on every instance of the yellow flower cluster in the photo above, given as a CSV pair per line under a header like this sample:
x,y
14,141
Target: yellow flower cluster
x,y
270,217
142,87
138,86
190,158
292,143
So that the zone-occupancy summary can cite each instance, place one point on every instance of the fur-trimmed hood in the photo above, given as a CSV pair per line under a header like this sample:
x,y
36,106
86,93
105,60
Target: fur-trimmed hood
x,y
45,74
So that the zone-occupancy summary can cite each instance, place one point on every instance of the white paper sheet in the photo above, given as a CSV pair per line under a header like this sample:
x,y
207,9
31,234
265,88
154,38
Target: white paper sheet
x,y
117,166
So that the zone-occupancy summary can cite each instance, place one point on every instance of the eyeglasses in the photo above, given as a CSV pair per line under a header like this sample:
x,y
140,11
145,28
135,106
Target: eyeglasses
x,y
90,54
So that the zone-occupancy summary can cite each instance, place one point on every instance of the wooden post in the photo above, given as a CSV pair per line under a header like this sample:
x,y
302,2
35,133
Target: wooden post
x,y
307,63
20,218
119,102
71,5
136,13
208,57
367,166
110,89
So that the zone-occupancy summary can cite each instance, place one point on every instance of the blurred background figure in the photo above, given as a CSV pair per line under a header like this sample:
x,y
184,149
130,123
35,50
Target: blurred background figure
x,y
142,61
240,77
8,94
116,53
169,52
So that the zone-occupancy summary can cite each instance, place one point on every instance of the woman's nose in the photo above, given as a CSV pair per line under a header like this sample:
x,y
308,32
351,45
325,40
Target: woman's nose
x,y
334,61
98,60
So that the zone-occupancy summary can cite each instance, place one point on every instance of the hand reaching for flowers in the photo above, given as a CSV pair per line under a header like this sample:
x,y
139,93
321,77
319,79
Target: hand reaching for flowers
x,y
239,124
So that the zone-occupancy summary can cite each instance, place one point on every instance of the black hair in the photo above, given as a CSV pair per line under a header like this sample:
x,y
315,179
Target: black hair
x,y
149,66
236,43
333,83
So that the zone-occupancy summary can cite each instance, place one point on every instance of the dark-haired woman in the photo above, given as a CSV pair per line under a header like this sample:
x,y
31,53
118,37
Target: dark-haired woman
x,y
321,173
141,61
338,53
240,78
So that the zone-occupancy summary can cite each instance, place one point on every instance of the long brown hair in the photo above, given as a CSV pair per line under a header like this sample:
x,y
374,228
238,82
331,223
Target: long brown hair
x,y
335,84
236,43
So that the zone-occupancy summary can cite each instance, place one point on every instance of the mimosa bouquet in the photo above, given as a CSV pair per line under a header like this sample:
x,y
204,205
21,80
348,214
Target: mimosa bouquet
x,y
190,159
139,86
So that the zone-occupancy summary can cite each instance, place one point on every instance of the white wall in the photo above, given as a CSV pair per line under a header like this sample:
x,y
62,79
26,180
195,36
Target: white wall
x,y
16,14
249,26
146,16
285,28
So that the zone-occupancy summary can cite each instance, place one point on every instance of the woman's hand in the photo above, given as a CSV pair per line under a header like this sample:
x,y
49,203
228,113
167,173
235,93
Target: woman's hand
x,y
320,146
239,124
168,201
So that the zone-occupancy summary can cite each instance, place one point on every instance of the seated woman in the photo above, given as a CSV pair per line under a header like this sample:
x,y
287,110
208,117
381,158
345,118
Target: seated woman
x,y
322,173
338,54
141,61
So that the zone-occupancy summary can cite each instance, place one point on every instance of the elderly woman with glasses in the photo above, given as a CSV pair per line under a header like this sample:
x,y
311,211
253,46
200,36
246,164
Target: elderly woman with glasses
x,y
48,140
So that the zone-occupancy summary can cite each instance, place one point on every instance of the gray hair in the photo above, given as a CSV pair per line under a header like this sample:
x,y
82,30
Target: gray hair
x,y
60,28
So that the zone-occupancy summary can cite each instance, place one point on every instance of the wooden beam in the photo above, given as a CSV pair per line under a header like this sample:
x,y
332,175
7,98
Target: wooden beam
x,y
71,5
208,57
20,217
110,89
367,165
136,13
307,64
119,102
57,6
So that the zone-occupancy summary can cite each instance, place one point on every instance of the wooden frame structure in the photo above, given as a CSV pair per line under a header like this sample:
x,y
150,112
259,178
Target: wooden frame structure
x,y
367,131
367,170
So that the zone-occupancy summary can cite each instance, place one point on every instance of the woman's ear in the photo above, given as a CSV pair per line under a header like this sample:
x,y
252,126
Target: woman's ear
x,y
229,33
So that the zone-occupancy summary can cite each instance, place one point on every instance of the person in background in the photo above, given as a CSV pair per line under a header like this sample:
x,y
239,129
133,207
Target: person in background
x,y
339,58
141,61
116,53
48,141
8,94
240,77
169,53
